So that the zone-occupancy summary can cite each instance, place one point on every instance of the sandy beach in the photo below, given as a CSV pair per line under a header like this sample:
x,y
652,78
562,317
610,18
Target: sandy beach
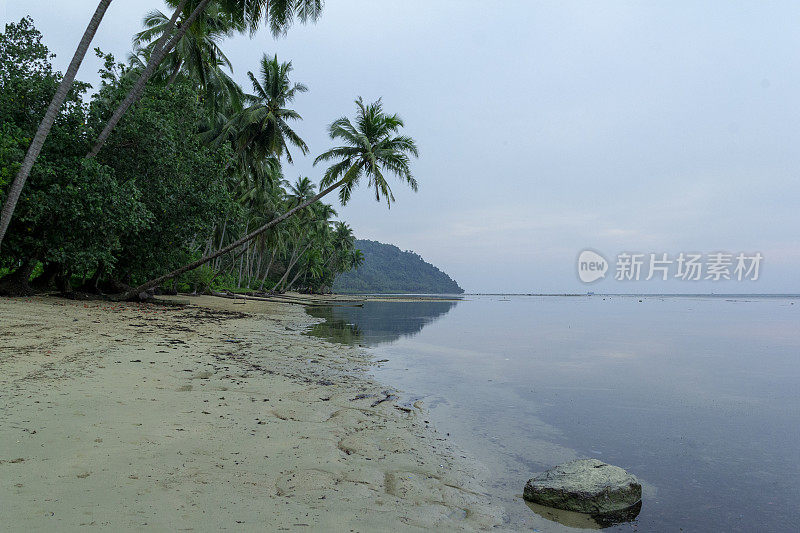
x,y
212,415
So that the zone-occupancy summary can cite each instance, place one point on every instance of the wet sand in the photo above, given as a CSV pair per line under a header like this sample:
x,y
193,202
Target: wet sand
x,y
214,415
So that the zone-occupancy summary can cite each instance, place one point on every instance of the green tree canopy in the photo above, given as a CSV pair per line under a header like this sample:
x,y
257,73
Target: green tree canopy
x,y
371,148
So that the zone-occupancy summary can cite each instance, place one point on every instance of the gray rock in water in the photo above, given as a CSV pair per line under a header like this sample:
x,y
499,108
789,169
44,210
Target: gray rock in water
x,y
585,486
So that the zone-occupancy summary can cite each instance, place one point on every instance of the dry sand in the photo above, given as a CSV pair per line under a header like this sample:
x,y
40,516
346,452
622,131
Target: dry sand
x,y
216,415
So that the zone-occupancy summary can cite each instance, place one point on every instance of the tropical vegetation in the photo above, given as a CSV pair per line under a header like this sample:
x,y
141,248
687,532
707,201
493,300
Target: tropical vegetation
x,y
169,175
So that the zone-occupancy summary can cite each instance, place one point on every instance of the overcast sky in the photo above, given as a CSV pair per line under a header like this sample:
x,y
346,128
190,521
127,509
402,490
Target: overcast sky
x,y
546,128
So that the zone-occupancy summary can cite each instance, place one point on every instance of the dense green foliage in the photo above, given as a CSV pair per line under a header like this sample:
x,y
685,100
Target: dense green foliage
x,y
387,269
74,211
192,174
157,149
160,193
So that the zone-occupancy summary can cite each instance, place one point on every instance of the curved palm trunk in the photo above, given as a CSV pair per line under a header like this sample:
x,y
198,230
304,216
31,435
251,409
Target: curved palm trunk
x,y
155,59
49,117
252,235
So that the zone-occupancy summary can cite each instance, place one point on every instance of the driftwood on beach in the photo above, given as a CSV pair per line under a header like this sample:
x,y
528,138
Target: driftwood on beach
x,y
286,299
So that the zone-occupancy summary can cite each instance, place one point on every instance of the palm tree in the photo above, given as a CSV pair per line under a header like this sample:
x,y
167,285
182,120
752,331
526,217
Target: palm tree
x,y
336,253
301,190
199,47
279,15
263,127
356,258
49,117
278,240
372,149
312,235
260,195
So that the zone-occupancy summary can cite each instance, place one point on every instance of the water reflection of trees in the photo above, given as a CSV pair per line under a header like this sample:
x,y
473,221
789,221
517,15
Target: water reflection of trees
x,y
376,322
336,329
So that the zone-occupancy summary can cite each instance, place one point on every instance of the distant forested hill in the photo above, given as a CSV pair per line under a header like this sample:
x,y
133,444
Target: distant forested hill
x,y
387,269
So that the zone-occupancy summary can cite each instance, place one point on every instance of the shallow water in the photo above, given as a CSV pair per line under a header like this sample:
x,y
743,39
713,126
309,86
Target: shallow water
x,y
698,396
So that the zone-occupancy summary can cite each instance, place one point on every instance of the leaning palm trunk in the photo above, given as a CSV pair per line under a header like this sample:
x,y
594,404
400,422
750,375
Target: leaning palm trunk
x,y
257,265
170,26
292,261
266,272
328,261
174,74
241,259
49,117
218,262
251,262
295,258
155,59
291,283
252,235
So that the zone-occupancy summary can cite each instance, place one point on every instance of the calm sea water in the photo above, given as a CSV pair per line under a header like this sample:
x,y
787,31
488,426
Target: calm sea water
x,y
697,396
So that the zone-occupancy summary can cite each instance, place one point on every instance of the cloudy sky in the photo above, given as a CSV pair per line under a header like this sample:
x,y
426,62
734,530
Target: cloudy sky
x,y
546,128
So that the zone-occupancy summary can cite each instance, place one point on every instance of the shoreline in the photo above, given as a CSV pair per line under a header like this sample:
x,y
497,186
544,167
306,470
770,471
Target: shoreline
x,y
217,414
333,298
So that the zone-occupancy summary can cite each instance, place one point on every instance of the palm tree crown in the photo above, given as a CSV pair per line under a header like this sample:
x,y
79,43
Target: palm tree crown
x,y
196,55
277,15
262,128
371,148
198,49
